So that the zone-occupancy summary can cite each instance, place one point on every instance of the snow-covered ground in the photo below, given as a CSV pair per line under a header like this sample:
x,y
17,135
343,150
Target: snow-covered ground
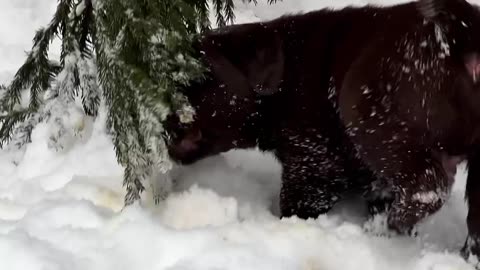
x,y
63,211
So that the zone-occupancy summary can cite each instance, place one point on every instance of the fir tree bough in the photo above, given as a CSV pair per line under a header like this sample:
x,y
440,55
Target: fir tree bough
x,y
134,55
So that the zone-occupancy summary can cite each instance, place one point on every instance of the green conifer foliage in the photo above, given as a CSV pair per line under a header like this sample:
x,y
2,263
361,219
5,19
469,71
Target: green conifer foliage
x,y
134,55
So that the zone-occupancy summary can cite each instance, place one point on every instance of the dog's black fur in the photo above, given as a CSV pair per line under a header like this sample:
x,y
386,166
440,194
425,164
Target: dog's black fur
x,y
382,100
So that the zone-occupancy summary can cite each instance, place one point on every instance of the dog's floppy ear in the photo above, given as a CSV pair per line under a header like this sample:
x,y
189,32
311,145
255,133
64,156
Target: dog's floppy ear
x,y
265,72
244,64
223,68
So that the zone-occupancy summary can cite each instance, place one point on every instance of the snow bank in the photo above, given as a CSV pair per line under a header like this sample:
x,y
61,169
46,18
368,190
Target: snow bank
x,y
63,210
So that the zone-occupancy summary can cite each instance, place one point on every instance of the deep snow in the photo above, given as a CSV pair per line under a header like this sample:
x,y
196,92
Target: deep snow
x,y
62,211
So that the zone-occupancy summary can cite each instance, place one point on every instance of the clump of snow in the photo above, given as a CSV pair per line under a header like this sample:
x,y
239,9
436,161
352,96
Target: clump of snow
x,y
64,210
209,209
426,197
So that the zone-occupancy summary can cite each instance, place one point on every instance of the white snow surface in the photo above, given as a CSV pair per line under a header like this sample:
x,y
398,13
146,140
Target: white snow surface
x,y
63,211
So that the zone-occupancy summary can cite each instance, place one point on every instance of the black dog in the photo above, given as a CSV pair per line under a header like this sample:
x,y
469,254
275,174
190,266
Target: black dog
x,y
380,100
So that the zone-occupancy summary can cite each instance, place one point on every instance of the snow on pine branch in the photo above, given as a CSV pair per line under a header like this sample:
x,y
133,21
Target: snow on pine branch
x,y
132,54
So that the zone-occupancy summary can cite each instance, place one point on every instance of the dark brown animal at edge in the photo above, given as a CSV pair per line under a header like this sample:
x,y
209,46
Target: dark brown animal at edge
x,y
385,101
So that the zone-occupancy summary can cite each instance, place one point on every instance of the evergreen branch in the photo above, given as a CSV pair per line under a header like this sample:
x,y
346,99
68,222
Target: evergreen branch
x,y
202,10
22,80
134,187
218,6
228,10
89,87
23,131
135,60
78,77
143,51
37,71
86,28
43,73
122,117
9,122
